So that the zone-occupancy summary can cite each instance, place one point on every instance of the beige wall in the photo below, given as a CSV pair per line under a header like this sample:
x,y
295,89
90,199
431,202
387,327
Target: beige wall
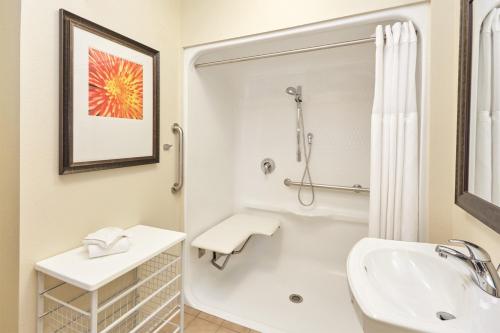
x,y
447,220
10,11
58,211
443,97
207,21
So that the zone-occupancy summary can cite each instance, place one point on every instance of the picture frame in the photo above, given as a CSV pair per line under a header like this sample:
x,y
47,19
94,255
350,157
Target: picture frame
x,y
109,98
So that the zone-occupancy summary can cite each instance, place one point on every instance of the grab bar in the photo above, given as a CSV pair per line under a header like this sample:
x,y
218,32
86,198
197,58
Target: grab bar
x,y
355,188
176,128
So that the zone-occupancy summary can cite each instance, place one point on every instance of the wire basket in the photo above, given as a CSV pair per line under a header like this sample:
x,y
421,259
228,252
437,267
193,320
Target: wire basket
x,y
145,299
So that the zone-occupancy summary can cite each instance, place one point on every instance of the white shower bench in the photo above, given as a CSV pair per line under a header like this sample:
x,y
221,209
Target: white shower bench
x,y
224,238
136,291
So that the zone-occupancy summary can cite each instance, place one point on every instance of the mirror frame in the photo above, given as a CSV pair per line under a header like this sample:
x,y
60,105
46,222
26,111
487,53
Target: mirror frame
x,y
483,210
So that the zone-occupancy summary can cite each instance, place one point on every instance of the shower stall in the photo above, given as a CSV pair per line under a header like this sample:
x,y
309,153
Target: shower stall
x,y
236,117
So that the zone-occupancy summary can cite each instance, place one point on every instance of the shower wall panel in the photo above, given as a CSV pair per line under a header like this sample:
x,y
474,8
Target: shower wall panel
x,y
337,97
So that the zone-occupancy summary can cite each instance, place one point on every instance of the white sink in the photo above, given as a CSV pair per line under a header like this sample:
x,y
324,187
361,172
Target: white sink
x,y
401,286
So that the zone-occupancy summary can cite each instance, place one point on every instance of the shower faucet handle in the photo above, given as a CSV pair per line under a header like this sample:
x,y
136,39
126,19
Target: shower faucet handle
x,y
267,165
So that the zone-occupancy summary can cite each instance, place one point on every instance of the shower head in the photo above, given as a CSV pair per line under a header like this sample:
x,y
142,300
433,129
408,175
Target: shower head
x,y
297,92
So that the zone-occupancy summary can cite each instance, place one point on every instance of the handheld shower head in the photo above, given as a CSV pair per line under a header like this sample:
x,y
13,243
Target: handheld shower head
x,y
291,91
297,92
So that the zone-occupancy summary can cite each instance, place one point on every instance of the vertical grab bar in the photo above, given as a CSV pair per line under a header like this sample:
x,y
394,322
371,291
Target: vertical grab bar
x,y
176,128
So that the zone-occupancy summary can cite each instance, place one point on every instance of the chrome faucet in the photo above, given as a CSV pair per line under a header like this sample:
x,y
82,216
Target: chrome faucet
x,y
479,261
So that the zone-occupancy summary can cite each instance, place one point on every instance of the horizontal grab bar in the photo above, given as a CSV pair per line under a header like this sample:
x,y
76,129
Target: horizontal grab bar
x,y
355,188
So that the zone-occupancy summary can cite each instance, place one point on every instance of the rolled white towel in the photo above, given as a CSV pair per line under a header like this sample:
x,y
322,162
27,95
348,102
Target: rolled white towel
x,y
122,245
105,237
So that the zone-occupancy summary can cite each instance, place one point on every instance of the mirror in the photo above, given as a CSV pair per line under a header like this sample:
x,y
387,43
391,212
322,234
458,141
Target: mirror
x,y
478,138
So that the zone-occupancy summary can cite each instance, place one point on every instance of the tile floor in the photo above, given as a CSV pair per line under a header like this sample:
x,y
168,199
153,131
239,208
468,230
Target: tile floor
x,y
196,321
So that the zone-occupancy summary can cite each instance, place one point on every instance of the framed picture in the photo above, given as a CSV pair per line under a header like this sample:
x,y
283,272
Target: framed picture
x,y
109,98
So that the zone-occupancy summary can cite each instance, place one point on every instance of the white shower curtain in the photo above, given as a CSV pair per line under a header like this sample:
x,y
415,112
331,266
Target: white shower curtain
x,y
487,163
394,136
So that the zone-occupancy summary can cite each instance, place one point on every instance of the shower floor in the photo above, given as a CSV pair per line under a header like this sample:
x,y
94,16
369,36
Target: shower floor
x,y
258,296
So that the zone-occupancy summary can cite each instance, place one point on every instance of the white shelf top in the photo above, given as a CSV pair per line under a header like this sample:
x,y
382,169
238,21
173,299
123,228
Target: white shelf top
x,y
76,268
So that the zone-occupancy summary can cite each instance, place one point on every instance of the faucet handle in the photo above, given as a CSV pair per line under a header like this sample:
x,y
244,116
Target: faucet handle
x,y
476,252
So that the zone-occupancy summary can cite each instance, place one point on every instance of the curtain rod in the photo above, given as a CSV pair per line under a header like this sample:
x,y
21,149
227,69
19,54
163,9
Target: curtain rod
x,y
287,52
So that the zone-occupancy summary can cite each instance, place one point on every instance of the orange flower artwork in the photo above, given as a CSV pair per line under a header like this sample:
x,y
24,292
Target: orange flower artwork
x,y
115,86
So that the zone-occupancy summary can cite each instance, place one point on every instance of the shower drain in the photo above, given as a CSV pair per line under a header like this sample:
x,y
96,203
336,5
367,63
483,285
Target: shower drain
x,y
295,298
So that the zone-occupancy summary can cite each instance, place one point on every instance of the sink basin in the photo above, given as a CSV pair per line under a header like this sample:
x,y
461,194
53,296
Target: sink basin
x,y
406,287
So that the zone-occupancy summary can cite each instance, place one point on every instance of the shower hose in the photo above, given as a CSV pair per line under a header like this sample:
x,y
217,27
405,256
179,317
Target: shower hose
x,y
307,173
